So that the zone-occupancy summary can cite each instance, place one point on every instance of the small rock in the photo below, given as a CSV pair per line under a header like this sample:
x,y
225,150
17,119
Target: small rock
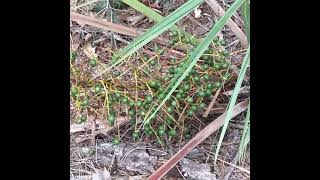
x,y
122,152
140,161
106,148
118,152
85,150
128,148
106,160
101,175
194,171
156,153
195,153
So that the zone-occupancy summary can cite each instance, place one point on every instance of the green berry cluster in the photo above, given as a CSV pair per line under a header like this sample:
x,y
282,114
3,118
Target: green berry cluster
x,y
136,93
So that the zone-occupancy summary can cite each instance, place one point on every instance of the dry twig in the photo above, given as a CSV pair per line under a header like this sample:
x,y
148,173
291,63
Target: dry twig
x,y
218,10
206,113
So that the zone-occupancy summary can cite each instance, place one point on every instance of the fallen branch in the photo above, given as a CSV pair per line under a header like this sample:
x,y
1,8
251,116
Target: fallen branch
x,y
218,10
104,24
121,29
201,136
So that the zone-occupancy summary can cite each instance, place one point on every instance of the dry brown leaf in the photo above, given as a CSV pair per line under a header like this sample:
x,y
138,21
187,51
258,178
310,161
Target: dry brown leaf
x,y
76,40
243,90
74,128
89,50
197,13
101,128
135,19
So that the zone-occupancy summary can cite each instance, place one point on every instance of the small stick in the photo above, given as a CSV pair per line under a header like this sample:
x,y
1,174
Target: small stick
x,y
218,10
206,113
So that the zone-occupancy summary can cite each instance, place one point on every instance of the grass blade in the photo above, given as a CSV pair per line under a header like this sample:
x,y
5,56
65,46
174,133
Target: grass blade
x,y
245,138
145,10
156,30
245,65
192,60
245,10
245,142
245,135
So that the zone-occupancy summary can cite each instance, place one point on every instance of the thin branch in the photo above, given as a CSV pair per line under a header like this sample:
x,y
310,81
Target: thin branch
x,y
218,10
104,24
209,108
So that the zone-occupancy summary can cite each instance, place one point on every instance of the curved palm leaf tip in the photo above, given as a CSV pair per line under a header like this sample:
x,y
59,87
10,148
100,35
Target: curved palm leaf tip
x,y
192,60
